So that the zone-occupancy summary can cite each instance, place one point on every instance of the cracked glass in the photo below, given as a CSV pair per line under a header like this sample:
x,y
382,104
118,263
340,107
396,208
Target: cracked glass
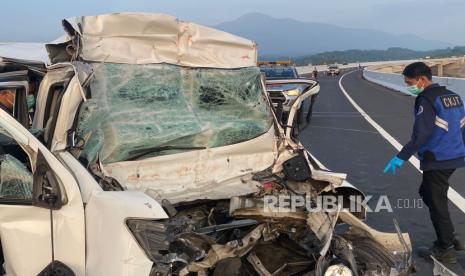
x,y
15,178
169,109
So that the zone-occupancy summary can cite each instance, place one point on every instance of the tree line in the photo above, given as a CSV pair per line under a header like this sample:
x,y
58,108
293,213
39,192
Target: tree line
x,y
354,56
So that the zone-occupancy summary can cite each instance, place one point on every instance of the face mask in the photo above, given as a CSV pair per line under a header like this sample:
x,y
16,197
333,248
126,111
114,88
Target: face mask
x,y
414,89
31,101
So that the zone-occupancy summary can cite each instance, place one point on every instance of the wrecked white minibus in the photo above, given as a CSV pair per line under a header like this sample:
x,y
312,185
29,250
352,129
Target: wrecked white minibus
x,y
150,150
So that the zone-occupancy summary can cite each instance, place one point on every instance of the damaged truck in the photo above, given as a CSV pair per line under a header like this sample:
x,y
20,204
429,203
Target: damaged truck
x,y
153,149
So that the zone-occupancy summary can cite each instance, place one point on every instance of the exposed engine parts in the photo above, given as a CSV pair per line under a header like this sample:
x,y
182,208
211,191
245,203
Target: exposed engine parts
x,y
240,237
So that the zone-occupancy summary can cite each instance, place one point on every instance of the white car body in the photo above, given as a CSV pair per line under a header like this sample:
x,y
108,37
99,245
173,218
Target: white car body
x,y
89,231
333,70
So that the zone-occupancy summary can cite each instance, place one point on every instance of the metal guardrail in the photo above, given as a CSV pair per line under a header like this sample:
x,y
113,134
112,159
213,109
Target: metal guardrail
x,y
396,81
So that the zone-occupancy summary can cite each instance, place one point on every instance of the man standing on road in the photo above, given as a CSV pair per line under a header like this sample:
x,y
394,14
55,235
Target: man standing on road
x,y
315,73
439,139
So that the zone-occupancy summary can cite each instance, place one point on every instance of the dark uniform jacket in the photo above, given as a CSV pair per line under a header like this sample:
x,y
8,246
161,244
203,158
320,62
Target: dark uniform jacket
x,y
439,130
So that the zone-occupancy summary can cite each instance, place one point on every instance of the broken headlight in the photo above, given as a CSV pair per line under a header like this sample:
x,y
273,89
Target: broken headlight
x,y
293,92
179,240
151,236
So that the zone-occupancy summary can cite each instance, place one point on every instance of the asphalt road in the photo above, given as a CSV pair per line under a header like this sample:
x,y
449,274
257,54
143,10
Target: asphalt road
x,y
345,142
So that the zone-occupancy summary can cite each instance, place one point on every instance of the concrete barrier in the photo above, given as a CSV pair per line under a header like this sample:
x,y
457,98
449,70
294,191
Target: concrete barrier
x,y
396,81
309,68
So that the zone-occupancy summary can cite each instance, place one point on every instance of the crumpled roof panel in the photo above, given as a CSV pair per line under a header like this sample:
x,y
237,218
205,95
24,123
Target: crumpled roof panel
x,y
142,38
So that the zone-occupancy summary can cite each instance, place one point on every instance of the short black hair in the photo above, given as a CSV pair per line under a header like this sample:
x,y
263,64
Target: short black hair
x,y
416,70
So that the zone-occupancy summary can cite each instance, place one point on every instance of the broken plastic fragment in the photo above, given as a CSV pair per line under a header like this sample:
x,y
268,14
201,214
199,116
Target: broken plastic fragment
x,y
230,249
440,269
322,224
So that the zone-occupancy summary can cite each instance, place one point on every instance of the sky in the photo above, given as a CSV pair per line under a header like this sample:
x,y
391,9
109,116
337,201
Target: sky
x,y
443,20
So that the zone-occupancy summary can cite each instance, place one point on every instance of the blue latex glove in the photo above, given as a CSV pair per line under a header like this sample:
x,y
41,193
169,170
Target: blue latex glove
x,y
393,165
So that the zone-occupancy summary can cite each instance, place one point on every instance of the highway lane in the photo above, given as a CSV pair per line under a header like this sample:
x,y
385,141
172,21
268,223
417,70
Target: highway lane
x,y
345,142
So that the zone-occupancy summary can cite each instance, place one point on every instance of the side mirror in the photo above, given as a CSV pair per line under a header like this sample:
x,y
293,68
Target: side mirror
x,y
46,192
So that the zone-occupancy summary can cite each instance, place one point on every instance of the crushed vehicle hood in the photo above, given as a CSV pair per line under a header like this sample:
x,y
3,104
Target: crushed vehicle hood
x,y
171,108
214,173
159,85
177,132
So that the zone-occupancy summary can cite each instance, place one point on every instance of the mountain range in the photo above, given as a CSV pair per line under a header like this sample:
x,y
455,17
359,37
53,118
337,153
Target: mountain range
x,y
290,37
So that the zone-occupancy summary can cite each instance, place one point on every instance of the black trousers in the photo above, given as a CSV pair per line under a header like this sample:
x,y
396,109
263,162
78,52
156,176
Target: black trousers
x,y
433,191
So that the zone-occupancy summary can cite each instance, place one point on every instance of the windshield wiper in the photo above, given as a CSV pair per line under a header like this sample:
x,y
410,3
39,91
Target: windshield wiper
x,y
135,154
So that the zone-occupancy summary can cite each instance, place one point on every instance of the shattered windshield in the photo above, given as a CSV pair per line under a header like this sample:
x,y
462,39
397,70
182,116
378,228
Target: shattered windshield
x,y
165,109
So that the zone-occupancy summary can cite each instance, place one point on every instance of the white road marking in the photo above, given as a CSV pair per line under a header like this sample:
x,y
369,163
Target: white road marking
x,y
455,197
345,129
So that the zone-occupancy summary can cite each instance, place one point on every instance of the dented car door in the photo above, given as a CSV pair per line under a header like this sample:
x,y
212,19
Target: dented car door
x,y
26,227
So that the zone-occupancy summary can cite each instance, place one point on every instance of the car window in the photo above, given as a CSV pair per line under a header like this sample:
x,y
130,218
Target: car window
x,y
279,72
13,100
15,172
